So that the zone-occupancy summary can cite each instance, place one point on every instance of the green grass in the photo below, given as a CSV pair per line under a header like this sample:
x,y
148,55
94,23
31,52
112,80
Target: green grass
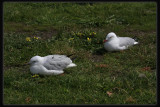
x,y
101,77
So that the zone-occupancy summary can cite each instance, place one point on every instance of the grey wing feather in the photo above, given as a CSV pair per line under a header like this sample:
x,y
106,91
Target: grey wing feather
x,y
56,62
126,41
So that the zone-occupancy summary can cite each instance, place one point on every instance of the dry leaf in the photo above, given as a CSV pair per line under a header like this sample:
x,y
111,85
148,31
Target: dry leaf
x,y
109,93
28,99
102,65
130,99
146,69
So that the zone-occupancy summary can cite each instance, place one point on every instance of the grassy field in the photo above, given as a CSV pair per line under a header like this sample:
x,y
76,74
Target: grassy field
x,y
101,77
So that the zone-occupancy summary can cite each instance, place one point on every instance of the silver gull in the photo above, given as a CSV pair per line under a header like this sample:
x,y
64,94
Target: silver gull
x,y
115,43
50,65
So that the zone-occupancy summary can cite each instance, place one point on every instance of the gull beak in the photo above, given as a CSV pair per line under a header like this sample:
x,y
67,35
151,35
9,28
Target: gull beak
x,y
105,41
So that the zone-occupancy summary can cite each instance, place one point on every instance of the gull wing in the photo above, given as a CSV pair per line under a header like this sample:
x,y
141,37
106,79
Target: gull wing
x,y
126,41
56,62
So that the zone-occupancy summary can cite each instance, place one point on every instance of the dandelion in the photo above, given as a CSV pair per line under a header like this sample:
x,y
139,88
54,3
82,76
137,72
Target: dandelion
x,y
36,37
94,33
35,75
88,39
28,39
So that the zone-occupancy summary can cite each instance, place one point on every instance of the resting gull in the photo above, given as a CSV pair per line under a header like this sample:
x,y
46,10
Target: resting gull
x,y
115,43
50,65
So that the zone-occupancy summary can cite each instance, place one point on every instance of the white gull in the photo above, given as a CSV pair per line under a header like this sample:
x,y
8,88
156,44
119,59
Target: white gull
x,y
50,65
115,43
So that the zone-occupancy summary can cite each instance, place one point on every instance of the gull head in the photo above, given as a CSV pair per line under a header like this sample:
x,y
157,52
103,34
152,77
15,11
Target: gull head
x,y
110,36
35,60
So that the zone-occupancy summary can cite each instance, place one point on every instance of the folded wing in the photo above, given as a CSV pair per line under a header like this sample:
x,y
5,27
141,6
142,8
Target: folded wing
x,y
56,62
126,41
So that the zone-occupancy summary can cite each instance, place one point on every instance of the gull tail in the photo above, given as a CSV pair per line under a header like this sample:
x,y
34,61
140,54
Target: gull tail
x,y
135,38
136,43
71,65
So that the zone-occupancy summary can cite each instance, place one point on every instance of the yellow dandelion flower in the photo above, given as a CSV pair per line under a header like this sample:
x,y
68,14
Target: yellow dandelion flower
x,y
94,33
36,37
35,75
89,39
28,39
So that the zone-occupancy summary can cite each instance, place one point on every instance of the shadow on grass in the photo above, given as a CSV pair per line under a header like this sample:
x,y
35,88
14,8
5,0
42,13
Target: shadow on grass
x,y
100,51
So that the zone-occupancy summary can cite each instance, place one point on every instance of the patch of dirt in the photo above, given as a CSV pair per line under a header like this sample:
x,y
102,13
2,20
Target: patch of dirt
x,y
44,35
97,58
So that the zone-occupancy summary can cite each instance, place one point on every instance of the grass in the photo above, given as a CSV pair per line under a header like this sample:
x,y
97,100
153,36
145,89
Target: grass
x,y
101,77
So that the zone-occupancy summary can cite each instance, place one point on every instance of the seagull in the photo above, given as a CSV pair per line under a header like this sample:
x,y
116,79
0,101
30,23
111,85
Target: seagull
x,y
115,43
50,65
